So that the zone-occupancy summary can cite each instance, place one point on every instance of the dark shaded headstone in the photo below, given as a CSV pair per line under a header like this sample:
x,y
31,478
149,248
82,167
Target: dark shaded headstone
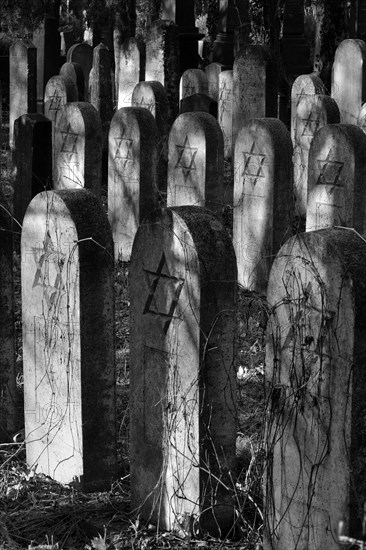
x,y
83,54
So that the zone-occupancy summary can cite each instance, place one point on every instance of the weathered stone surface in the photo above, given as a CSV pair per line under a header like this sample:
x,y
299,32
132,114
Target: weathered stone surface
x,y
22,83
132,174
213,71
32,160
78,148
337,171
198,103
348,79
193,81
196,162
255,77
152,96
75,72
361,120
162,60
312,113
263,201
315,379
100,86
68,339
9,417
304,85
225,111
183,383
128,74
82,54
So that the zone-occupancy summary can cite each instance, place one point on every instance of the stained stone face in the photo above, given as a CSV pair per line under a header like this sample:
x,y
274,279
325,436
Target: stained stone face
x,y
128,72
195,165
336,194
312,112
255,76
304,86
225,110
315,356
193,81
132,174
68,341
22,83
213,71
262,198
182,278
348,79
78,148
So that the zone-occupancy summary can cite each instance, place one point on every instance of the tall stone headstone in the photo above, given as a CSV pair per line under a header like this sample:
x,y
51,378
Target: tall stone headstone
x,y
9,417
315,378
304,85
22,82
152,96
48,42
337,171
132,174
312,113
183,286
196,162
255,77
193,81
213,71
68,339
129,73
262,198
225,110
32,160
162,60
100,86
75,72
348,79
83,54
78,148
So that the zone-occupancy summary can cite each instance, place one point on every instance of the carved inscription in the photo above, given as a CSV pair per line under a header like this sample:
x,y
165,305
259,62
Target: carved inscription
x,y
186,158
330,170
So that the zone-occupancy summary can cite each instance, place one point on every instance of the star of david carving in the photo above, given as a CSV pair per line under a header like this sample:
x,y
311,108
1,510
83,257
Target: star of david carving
x,y
300,95
330,170
188,89
69,142
253,165
146,105
164,292
311,126
186,158
123,149
55,101
51,255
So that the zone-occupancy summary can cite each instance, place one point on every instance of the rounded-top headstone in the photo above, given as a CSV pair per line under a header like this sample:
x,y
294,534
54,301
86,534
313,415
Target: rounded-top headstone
x,y
315,379
349,79
193,81
128,74
74,70
78,148
337,171
60,89
305,85
83,54
225,110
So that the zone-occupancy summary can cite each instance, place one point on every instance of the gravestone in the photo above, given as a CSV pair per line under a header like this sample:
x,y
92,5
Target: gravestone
x,y
129,73
213,71
152,96
361,120
22,82
225,111
32,160
59,91
47,40
196,162
313,112
303,86
100,86
183,381
348,79
162,60
262,198
193,81
315,379
9,415
83,54
255,91
68,339
78,148
337,171
132,174
198,102
75,72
